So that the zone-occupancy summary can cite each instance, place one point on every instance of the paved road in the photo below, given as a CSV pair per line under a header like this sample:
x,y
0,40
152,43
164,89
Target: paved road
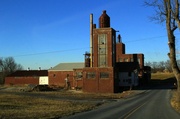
x,y
152,104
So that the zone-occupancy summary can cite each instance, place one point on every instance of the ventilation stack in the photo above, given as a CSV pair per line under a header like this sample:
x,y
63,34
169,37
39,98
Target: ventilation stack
x,y
104,20
91,40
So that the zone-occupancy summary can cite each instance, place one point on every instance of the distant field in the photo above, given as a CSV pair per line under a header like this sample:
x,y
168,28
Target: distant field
x,y
161,76
55,104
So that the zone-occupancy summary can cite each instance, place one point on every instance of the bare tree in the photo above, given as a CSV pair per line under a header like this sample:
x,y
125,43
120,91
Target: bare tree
x,y
168,11
8,66
168,66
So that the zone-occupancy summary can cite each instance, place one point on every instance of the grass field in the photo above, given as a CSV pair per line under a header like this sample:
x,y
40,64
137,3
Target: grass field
x,y
162,79
161,76
17,104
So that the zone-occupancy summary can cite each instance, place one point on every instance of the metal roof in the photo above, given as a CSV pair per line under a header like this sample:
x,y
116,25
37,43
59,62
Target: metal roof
x,y
68,66
25,73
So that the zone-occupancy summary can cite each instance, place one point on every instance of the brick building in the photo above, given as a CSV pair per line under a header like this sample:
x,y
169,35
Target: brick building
x,y
106,68
99,76
70,71
36,77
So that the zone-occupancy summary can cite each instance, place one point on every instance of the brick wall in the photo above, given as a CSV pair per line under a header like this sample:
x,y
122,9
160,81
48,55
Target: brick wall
x,y
97,83
58,77
120,49
127,58
110,33
78,79
21,80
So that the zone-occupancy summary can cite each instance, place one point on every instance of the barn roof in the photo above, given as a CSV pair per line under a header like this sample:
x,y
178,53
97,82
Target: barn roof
x,y
68,66
22,73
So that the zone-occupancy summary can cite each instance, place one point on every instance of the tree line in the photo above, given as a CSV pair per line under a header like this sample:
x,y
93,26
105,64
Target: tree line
x,y
8,66
161,66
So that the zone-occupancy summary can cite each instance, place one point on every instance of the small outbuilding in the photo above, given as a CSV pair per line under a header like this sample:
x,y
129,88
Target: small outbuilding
x,y
37,77
67,75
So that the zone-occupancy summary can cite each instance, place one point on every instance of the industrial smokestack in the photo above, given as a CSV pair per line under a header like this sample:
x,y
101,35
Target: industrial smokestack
x,y
91,39
119,38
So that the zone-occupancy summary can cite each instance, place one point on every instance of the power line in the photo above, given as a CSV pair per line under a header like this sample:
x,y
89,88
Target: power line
x,y
41,53
143,39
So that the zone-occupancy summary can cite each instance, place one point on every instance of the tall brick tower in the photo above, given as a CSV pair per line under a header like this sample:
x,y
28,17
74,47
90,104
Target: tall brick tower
x,y
104,43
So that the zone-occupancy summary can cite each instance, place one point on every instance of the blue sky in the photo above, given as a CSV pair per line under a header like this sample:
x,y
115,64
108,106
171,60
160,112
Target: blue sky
x,y
44,33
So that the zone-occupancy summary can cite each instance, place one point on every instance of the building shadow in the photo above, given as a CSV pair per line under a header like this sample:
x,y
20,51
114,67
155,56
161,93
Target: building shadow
x,y
169,83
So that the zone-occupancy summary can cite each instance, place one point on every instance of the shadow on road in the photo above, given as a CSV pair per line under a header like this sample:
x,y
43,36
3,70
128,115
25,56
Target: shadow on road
x,y
169,83
155,84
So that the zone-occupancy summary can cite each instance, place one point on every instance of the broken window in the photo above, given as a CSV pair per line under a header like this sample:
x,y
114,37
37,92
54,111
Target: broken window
x,y
104,75
90,75
78,75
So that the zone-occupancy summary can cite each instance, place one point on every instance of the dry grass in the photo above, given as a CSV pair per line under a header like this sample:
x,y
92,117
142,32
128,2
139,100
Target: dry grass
x,y
174,102
57,104
14,106
161,76
87,96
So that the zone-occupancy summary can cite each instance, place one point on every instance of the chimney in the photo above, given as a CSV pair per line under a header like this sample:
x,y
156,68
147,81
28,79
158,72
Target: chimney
x,y
104,20
91,39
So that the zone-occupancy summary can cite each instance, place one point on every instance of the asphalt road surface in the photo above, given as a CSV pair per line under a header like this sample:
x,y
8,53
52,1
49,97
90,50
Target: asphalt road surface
x,y
152,104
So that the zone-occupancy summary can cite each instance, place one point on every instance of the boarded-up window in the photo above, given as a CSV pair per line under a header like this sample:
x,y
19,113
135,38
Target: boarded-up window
x,y
90,75
120,60
104,75
78,75
126,60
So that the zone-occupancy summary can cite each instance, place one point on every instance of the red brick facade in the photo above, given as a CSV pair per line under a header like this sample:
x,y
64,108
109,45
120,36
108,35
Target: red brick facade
x,y
25,77
58,78
110,49
98,80
122,57
78,78
131,58
21,80
120,49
